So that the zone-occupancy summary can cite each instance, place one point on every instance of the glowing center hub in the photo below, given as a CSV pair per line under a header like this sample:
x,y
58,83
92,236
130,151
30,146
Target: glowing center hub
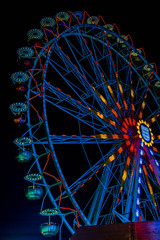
x,y
145,133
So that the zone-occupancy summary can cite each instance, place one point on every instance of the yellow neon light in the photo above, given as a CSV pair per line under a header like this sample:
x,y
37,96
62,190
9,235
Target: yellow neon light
x,y
144,124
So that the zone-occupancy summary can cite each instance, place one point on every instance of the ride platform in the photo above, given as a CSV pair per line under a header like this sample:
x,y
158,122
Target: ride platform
x,y
120,231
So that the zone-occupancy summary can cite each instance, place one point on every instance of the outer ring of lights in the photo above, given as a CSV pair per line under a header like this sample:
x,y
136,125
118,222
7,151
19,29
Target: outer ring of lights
x,y
150,143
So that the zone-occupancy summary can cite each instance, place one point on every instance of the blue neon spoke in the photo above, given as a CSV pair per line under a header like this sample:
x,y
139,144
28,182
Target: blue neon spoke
x,y
61,139
86,81
81,117
81,110
91,172
80,78
52,62
77,116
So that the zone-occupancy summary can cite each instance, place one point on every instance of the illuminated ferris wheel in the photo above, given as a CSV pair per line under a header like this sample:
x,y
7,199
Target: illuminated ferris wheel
x,y
90,119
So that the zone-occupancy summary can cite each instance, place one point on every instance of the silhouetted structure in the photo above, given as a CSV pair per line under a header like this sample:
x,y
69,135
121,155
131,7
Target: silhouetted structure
x,y
122,231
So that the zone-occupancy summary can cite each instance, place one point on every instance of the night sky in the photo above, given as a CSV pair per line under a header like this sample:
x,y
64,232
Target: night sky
x,y
19,218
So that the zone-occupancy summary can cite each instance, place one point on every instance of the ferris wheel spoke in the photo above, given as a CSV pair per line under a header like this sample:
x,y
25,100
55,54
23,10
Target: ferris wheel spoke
x,y
88,175
94,170
83,91
149,186
81,117
83,139
101,116
148,204
101,191
105,191
132,103
157,137
96,79
143,104
72,69
95,126
154,165
89,55
114,99
100,54
99,196
63,97
153,119
110,108
124,176
93,59
155,149
109,136
108,105
82,111
123,99
117,152
112,62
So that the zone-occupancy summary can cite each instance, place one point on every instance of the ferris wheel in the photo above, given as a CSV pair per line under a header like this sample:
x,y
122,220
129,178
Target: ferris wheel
x,y
89,107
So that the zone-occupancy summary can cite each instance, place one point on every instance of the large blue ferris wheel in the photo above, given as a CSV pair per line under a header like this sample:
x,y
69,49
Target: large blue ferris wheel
x,y
89,106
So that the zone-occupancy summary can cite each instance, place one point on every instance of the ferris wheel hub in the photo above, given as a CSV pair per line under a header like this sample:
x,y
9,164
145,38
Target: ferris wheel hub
x,y
145,133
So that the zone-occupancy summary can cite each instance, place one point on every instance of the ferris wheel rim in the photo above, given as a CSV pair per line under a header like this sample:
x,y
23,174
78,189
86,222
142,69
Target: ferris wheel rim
x,y
62,35
130,45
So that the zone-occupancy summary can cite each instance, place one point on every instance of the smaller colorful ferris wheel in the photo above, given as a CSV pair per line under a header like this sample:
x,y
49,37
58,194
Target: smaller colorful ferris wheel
x,y
90,119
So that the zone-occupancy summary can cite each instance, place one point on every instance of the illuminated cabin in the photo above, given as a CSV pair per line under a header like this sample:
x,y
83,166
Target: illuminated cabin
x,y
92,20
49,229
21,88
35,37
157,90
21,119
25,56
24,155
121,43
18,110
111,27
20,80
147,71
135,57
34,192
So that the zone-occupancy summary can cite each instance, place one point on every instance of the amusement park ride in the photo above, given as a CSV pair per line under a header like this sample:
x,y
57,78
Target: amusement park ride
x,y
88,104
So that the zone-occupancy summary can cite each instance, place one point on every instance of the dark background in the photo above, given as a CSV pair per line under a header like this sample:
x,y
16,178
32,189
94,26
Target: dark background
x,y
19,218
